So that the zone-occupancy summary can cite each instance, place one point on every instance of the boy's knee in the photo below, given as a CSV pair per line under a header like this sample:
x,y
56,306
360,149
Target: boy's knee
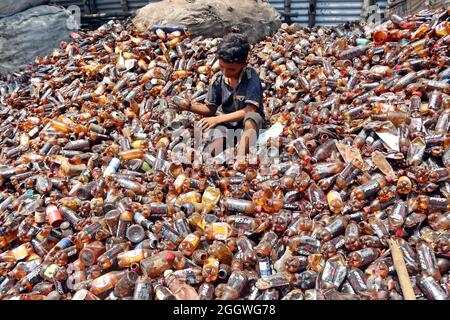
x,y
253,120
250,124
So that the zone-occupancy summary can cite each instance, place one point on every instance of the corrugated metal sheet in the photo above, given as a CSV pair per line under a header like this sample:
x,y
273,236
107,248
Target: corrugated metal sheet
x,y
68,3
382,4
137,4
277,4
328,12
108,7
300,7
333,12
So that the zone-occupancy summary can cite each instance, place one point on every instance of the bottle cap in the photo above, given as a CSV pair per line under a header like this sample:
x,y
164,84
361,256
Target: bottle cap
x,y
167,273
170,256
399,233
135,233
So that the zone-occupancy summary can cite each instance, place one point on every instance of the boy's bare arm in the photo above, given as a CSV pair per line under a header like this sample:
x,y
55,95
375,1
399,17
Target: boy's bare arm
x,y
208,123
203,109
237,115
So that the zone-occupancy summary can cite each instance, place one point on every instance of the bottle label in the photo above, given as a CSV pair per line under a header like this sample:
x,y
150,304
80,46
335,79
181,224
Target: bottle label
x,y
291,206
59,287
182,227
338,242
265,268
236,281
64,243
71,251
92,229
131,255
399,212
346,173
408,254
427,259
122,227
170,234
309,245
24,228
113,252
356,280
33,276
370,189
160,209
143,291
20,252
195,183
291,196
236,180
49,272
70,215
439,204
352,230
334,273
335,227
434,140
220,231
237,205
272,281
102,282
30,265
380,229
367,255
188,275
205,290
432,290
192,238
160,294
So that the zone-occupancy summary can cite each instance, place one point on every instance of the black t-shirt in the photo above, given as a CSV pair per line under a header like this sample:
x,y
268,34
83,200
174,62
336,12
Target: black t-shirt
x,y
248,91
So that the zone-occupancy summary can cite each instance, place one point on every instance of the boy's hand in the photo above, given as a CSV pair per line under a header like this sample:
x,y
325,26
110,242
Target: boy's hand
x,y
209,122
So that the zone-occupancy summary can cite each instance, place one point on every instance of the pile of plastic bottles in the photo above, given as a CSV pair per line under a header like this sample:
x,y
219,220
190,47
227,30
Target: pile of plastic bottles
x,y
93,207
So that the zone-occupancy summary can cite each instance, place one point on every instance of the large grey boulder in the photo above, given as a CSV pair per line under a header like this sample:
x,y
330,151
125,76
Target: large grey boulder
x,y
212,18
30,33
10,7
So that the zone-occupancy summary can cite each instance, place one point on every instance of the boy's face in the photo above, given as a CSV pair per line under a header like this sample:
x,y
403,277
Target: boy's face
x,y
231,69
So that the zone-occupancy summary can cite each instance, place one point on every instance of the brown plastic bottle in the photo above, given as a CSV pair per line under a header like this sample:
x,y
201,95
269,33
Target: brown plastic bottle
x,y
125,286
362,257
182,291
190,243
106,281
90,253
155,265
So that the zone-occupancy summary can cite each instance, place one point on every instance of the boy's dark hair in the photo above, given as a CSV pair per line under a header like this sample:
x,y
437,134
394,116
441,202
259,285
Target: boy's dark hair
x,y
234,47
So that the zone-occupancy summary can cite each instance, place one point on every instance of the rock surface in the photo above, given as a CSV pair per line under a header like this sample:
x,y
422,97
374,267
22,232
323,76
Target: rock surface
x,y
30,33
10,7
212,18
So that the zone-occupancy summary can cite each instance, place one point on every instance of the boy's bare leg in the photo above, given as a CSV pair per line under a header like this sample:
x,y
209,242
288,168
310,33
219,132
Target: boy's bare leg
x,y
215,147
248,140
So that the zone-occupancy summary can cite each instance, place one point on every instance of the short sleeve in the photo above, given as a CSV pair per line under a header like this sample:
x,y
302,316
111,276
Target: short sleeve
x,y
254,94
213,96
